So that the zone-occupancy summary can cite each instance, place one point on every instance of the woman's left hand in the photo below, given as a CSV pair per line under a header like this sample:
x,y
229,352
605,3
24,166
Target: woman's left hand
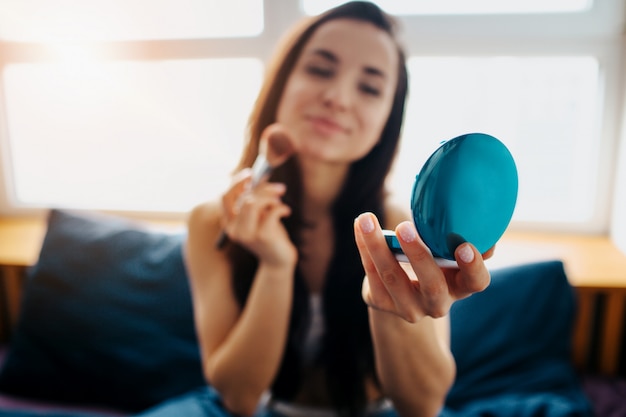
x,y
421,288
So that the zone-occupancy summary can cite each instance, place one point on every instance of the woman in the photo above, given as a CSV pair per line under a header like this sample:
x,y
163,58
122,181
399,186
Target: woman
x,y
284,308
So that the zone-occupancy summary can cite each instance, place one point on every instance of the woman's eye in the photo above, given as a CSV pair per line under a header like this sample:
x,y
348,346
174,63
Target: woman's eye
x,y
368,89
319,71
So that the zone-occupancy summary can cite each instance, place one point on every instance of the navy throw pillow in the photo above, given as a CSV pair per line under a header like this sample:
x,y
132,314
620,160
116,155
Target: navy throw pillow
x,y
106,317
514,340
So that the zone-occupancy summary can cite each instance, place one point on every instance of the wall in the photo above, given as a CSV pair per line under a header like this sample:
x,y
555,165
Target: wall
x,y
618,225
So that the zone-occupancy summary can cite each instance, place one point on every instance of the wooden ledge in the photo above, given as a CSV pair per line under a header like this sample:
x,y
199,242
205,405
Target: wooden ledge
x,y
591,261
21,238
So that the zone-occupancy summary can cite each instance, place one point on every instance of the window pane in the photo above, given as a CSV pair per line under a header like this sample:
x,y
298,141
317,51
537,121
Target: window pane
x,y
107,20
127,135
403,7
543,109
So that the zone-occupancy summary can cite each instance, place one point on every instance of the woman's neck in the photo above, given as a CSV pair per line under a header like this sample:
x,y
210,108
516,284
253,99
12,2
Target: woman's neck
x,y
322,184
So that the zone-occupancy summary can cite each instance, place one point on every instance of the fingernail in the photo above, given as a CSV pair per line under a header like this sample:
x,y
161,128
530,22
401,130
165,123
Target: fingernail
x,y
466,254
407,232
279,187
366,223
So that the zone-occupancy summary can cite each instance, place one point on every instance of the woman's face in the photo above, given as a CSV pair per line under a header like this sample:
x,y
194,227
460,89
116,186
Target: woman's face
x,y
339,95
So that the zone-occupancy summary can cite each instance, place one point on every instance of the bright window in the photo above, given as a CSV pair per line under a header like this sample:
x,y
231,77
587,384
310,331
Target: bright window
x,y
147,136
109,20
543,109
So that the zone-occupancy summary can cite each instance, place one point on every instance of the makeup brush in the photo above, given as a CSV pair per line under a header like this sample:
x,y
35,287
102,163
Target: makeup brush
x,y
275,148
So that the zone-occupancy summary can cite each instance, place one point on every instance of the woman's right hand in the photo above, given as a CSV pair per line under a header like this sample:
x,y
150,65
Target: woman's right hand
x,y
252,218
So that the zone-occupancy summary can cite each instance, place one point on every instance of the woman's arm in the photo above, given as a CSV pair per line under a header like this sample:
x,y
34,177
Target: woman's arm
x,y
413,362
241,348
408,315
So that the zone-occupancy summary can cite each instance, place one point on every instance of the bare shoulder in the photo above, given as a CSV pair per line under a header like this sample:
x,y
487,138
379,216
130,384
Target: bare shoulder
x,y
205,217
204,259
394,214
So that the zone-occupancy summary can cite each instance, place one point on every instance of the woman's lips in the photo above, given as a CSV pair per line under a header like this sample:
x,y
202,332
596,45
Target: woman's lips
x,y
326,125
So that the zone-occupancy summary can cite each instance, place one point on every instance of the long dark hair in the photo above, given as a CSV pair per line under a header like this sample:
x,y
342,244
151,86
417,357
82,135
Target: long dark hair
x,y
347,352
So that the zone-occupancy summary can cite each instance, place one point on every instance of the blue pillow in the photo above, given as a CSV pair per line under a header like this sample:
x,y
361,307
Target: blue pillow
x,y
512,345
106,317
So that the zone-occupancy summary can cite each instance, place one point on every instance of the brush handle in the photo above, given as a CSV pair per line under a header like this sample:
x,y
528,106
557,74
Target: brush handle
x,y
261,169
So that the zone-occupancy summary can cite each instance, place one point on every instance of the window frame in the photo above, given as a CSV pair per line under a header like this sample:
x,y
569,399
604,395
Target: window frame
x,y
597,32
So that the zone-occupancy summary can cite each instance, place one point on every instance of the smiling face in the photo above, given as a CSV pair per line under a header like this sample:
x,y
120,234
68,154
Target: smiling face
x,y
339,95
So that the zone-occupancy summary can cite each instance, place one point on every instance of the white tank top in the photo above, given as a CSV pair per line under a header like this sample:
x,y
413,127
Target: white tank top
x,y
315,332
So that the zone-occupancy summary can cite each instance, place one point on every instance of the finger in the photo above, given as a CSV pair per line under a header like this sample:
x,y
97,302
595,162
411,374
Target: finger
x,y
254,208
432,281
373,290
241,175
255,202
489,252
270,227
270,189
382,302
239,184
261,194
274,213
393,277
472,276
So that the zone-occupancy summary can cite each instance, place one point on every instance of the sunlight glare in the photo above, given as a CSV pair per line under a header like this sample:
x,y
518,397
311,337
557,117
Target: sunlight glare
x,y
130,135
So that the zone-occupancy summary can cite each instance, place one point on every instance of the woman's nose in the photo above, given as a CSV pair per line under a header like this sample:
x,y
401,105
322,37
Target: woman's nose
x,y
337,95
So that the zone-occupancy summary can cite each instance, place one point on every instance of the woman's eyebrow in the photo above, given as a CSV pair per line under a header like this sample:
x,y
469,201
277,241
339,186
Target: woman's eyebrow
x,y
374,71
328,55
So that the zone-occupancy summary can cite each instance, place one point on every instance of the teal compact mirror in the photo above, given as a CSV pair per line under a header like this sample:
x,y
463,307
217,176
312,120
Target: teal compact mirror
x,y
465,192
